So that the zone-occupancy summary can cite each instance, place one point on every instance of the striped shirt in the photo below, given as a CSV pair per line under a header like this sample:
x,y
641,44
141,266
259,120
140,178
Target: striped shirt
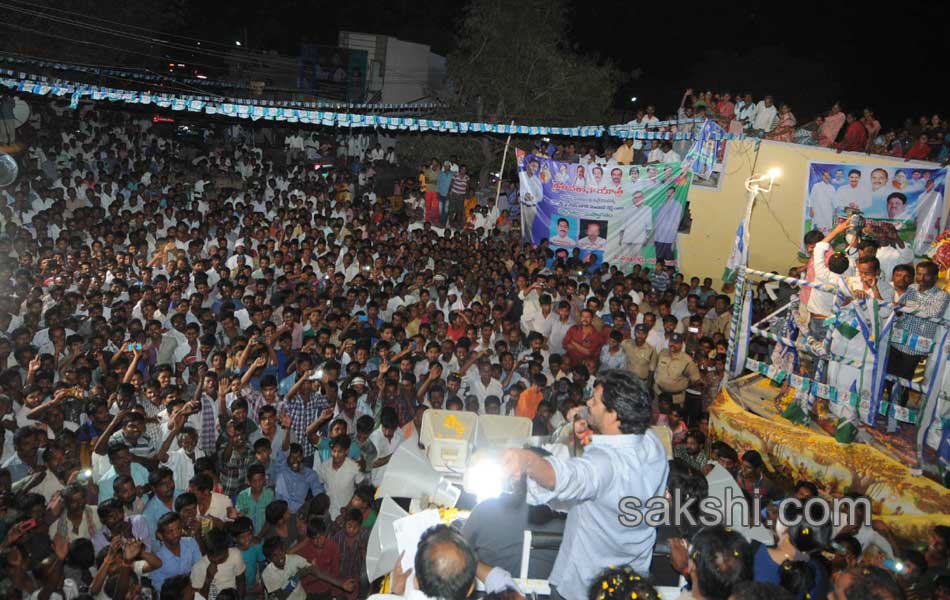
x,y
459,184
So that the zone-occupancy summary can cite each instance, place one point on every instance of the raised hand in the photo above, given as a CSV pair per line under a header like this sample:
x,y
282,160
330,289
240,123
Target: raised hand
x,y
131,549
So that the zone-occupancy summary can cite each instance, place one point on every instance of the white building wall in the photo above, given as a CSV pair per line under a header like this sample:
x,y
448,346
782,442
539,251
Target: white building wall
x,y
406,71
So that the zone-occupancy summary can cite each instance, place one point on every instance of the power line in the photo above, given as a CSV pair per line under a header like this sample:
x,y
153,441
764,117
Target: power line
x,y
138,27
233,55
288,65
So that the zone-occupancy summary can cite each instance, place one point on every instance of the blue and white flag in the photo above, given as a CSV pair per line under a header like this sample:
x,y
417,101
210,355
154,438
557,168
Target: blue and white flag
x,y
739,257
702,155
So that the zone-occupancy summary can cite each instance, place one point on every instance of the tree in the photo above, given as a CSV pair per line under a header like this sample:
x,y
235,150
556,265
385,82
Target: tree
x,y
513,62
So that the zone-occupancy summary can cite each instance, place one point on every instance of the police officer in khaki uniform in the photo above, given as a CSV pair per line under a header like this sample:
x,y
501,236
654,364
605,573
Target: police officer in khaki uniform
x,y
675,370
641,356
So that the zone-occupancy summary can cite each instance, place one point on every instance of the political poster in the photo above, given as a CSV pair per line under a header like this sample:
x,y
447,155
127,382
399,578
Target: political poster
x,y
911,198
620,214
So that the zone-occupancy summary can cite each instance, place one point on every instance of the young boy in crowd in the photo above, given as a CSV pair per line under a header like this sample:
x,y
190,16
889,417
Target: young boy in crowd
x,y
322,553
220,568
351,541
281,577
367,451
242,531
252,501
264,458
339,473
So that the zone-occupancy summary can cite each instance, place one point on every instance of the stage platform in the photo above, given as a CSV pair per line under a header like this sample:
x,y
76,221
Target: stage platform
x,y
746,416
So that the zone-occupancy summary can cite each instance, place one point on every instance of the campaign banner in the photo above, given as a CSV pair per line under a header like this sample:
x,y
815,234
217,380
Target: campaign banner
x,y
620,214
705,152
909,198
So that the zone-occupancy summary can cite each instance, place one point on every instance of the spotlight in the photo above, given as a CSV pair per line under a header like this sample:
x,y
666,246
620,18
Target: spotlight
x,y
486,479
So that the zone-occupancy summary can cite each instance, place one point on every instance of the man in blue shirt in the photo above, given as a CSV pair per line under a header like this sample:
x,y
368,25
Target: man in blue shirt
x,y
122,464
27,455
296,481
625,461
442,187
162,502
179,554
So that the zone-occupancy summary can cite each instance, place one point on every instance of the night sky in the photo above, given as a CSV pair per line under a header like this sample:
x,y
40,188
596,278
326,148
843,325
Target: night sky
x,y
808,54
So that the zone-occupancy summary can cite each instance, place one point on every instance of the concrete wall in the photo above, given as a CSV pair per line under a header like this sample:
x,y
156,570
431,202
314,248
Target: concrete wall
x,y
776,229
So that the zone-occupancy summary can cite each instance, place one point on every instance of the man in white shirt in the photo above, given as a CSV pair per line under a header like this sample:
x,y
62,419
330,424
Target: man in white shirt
x,y
821,206
821,303
481,384
386,438
669,155
540,320
868,283
763,119
339,474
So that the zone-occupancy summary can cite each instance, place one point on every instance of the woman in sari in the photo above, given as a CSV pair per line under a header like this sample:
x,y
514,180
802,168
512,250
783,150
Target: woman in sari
x,y
726,109
785,130
832,125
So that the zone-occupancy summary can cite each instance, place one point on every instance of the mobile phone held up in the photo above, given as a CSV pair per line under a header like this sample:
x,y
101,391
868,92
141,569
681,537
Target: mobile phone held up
x,y
27,525
132,347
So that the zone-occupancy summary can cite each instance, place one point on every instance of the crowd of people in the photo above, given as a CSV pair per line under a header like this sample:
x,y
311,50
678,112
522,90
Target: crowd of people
x,y
211,353
853,130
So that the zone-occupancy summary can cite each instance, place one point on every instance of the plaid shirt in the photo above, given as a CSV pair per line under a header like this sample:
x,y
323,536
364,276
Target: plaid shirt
x,y
233,471
917,307
303,413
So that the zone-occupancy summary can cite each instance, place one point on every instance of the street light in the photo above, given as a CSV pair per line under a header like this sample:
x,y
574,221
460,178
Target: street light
x,y
237,42
633,99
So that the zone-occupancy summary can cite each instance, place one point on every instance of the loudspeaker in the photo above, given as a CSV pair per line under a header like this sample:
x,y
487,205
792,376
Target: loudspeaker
x,y
381,550
409,475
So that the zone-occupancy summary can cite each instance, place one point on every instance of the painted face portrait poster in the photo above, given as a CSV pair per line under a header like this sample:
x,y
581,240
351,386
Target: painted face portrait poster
x,y
909,198
620,214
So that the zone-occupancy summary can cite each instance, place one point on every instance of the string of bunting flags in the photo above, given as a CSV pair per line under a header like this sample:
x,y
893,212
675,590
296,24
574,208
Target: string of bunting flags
x,y
27,83
154,78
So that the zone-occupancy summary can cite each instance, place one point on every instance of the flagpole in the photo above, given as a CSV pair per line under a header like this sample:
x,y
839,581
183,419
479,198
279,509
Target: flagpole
x,y
501,171
753,191
753,186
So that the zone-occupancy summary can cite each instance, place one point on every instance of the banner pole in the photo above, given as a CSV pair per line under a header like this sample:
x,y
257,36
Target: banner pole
x,y
501,171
